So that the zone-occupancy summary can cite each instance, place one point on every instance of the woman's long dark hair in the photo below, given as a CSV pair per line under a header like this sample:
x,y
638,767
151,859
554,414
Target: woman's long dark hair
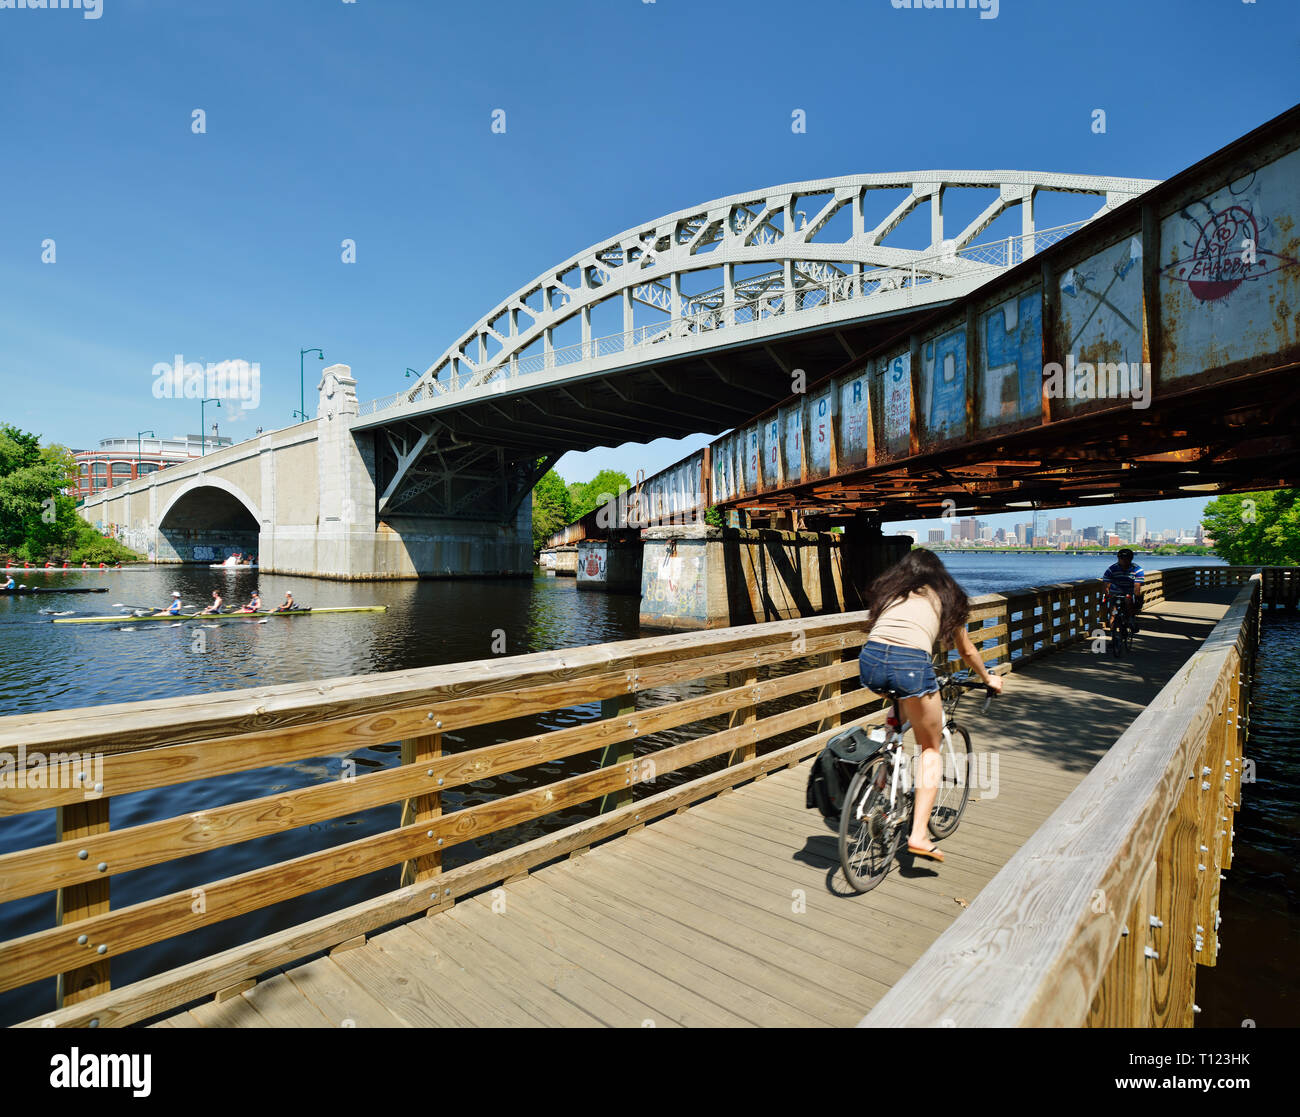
x,y
917,570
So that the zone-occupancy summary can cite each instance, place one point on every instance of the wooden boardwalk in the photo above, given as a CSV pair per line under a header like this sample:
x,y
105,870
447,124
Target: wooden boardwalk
x,y
733,912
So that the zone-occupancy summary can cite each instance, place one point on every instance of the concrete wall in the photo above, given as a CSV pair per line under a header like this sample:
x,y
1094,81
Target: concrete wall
x,y
709,577
610,565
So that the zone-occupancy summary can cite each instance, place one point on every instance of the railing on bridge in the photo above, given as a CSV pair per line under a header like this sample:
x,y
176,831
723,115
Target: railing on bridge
x,y
982,259
778,693
1115,940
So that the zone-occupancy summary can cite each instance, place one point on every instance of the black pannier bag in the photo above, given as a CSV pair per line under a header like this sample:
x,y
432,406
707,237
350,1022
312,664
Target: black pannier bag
x,y
834,767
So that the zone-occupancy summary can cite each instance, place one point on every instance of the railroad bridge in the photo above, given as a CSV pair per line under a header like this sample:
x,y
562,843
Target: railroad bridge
x,y
964,372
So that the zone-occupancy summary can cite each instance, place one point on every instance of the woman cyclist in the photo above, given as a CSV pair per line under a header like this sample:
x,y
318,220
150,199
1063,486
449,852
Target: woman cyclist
x,y
910,606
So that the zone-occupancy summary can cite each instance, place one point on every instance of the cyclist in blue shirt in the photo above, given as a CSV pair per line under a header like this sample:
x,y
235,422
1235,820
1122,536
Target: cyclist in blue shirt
x,y
1126,577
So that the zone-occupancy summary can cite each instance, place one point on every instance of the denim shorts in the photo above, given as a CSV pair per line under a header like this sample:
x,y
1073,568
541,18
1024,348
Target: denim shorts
x,y
888,667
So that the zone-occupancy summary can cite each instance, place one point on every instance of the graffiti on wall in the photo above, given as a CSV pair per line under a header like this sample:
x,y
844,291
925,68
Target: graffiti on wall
x,y
943,363
896,385
1229,264
1013,366
674,580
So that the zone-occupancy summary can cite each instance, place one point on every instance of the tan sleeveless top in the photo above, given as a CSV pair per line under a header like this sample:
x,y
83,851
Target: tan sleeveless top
x,y
911,623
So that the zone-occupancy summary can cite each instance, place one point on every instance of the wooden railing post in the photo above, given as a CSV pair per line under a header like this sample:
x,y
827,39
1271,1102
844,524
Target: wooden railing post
x,y
80,901
747,715
622,752
422,808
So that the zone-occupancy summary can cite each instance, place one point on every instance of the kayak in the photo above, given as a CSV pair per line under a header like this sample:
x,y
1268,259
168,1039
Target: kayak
x,y
18,591
232,566
221,616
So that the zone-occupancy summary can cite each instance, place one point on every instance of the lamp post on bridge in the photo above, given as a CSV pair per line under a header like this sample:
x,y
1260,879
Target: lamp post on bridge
x,y
138,454
203,433
302,398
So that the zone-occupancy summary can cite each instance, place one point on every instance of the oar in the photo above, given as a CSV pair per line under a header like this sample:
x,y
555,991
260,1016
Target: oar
x,y
139,608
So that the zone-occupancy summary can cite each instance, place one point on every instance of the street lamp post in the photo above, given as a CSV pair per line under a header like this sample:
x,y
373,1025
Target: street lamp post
x,y
302,397
203,434
138,436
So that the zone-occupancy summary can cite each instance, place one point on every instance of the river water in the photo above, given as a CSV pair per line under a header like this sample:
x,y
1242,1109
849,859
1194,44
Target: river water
x,y
45,667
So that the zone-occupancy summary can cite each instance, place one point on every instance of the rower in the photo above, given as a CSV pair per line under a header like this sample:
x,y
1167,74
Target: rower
x,y
254,604
215,607
9,585
174,609
288,603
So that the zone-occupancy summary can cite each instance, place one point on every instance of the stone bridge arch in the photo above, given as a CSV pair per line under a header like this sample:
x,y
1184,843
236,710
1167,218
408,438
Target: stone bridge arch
x,y
208,519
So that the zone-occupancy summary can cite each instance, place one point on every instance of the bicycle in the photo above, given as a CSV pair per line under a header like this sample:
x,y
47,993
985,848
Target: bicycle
x,y
1119,623
877,812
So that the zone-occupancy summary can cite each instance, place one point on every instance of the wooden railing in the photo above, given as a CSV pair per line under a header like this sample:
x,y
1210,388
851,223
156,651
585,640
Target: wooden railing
x,y
144,746
758,673
1102,916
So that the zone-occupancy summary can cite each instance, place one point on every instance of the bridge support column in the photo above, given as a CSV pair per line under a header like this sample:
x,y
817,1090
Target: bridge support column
x,y
612,565
697,576
867,553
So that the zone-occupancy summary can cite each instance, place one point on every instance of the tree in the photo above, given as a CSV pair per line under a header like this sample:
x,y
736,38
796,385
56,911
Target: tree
x,y
602,488
1256,529
38,520
552,508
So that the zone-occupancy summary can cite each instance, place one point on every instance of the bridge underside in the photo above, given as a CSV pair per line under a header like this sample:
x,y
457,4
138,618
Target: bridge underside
x,y
1241,435
489,452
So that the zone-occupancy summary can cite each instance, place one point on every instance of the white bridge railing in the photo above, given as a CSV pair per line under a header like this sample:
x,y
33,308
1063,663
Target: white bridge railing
x,y
994,256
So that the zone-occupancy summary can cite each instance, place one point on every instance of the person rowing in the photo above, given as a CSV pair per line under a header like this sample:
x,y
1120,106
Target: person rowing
x,y
215,607
172,610
9,585
288,605
254,604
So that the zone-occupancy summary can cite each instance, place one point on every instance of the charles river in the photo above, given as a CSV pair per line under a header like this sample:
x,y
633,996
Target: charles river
x,y
44,667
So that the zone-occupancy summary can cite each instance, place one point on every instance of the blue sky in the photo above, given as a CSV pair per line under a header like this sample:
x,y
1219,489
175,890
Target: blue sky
x,y
372,120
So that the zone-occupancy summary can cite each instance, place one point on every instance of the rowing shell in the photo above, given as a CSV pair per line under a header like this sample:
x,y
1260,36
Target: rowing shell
x,y
232,566
19,591
221,616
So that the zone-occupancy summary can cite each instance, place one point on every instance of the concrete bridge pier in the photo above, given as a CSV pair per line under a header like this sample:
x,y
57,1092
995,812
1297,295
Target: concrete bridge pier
x,y
612,565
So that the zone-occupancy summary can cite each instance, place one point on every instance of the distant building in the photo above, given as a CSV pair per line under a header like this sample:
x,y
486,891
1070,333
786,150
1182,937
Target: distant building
x,y
1023,532
119,460
969,527
1124,529
936,535
1139,529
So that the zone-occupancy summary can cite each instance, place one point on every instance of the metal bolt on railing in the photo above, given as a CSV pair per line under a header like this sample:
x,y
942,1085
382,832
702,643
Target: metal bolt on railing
x,y
82,939
1155,921
82,854
1150,952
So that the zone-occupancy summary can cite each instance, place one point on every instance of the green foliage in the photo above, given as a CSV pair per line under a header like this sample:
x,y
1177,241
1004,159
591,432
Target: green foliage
x,y
38,521
1256,529
601,489
714,517
552,508
557,503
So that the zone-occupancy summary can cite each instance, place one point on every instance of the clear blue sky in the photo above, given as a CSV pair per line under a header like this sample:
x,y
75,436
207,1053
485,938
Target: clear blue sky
x,y
372,121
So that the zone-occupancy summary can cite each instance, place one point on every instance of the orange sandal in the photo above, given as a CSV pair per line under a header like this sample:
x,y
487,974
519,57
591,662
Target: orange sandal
x,y
917,851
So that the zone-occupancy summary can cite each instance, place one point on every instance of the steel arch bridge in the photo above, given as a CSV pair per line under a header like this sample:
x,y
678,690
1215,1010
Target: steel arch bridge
x,y
804,263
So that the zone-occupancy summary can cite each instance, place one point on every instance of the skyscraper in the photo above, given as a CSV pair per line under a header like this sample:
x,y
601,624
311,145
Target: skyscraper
x,y
1139,529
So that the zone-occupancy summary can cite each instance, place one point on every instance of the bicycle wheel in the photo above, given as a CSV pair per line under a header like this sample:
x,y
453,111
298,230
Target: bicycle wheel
x,y
1116,637
954,788
867,840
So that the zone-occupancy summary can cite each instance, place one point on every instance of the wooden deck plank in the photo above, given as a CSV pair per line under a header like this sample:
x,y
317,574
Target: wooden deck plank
x,y
412,1000
625,961
768,992
234,1012
284,1005
340,999
608,1003
426,963
489,963
740,923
